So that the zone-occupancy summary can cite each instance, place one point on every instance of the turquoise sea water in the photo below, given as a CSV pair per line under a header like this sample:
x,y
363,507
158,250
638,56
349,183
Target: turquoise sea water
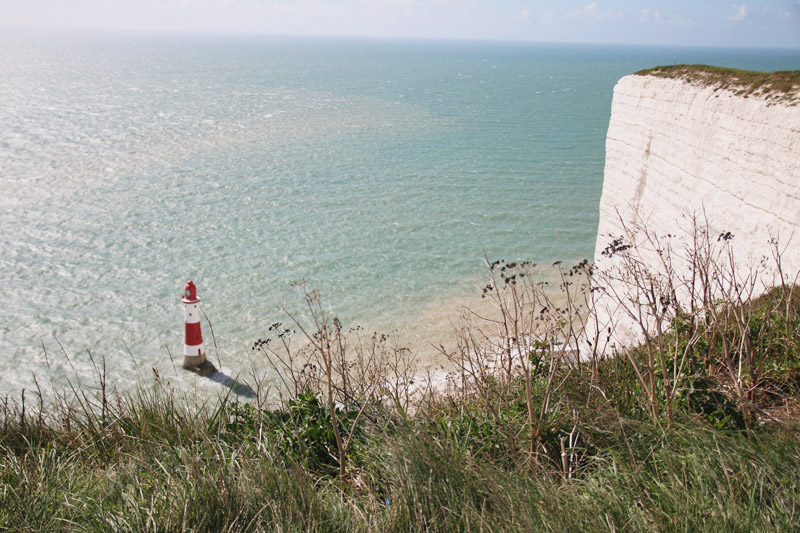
x,y
379,171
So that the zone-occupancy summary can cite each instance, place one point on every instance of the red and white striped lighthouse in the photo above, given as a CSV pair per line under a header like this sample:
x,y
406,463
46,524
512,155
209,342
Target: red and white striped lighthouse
x,y
194,355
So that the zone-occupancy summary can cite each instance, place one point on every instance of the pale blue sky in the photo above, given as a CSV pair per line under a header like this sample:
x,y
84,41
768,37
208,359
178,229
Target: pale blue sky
x,y
773,23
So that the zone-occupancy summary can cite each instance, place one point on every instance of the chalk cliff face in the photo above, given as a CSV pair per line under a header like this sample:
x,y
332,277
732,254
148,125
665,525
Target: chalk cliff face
x,y
681,149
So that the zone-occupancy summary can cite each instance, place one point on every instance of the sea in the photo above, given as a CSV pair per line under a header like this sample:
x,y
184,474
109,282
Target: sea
x,y
382,173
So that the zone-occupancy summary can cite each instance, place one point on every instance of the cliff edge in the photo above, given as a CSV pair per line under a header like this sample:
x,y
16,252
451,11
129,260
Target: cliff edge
x,y
694,147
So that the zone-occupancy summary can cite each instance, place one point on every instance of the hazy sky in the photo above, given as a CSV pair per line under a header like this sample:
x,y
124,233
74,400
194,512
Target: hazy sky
x,y
681,22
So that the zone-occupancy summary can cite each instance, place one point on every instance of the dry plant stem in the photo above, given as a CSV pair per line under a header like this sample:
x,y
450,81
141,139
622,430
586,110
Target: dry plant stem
x,y
526,339
321,340
713,291
666,300
512,312
651,303
343,369
470,350
730,296
593,319
213,337
633,274
505,332
357,376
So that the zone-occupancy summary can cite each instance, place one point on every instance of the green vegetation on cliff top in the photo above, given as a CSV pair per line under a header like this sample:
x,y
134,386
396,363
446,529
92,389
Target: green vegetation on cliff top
x,y
782,85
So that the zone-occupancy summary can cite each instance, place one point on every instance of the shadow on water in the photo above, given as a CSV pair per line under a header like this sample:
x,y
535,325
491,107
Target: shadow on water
x,y
240,389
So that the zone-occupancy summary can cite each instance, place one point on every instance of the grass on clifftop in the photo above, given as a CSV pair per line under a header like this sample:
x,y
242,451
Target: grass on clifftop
x,y
781,85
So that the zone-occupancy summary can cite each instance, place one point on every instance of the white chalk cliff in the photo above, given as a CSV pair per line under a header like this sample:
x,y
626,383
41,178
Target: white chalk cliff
x,y
680,148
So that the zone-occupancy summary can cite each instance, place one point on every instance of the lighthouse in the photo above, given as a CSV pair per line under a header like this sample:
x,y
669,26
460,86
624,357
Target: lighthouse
x,y
194,355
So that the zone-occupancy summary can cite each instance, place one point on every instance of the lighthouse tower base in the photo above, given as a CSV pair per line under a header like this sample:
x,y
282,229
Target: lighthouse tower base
x,y
198,364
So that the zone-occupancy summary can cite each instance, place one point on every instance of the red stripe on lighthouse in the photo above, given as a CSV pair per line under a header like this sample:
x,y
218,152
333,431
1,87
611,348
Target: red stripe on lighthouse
x,y
194,336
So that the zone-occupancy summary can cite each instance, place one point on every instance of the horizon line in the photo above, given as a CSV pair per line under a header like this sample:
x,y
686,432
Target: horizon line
x,y
391,38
